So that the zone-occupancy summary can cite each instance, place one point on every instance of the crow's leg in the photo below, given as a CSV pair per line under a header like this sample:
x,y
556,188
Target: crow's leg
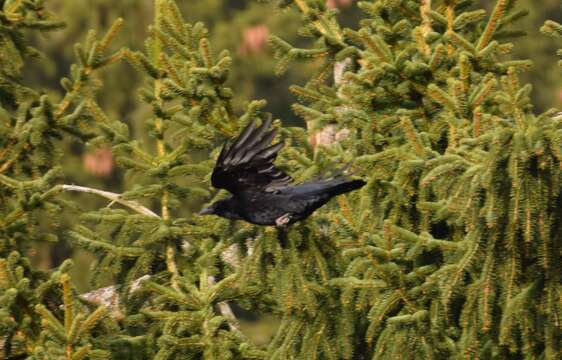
x,y
283,220
283,236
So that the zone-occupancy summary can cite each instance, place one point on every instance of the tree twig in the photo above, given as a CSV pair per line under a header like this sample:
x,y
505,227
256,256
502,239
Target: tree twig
x,y
114,197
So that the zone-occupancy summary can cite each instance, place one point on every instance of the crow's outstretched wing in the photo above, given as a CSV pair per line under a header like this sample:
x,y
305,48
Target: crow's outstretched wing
x,y
247,163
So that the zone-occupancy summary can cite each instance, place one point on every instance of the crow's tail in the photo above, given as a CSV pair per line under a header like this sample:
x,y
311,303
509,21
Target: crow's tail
x,y
342,185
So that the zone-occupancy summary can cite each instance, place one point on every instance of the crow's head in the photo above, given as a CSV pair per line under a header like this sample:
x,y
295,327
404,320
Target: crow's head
x,y
224,208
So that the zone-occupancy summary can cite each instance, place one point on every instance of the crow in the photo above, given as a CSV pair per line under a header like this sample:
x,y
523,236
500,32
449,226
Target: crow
x,y
261,193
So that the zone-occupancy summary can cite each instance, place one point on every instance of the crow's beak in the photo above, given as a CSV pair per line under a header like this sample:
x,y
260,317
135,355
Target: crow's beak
x,y
206,211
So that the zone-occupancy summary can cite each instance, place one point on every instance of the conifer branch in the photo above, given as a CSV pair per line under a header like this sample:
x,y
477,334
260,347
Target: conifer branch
x,y
86,70
420,40
6,165
323,26
90,62
492,24
450,21
157,52
108,296
425,9
11,7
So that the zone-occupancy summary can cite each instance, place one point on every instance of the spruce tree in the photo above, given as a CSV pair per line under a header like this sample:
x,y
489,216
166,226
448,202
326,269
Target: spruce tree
x,y
452,250
31,128
455,250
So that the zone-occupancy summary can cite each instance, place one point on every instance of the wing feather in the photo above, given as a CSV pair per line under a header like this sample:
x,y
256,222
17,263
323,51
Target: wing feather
x,y
247,163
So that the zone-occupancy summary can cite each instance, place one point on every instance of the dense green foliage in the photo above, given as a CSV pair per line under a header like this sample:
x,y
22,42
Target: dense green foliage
x,y
452,250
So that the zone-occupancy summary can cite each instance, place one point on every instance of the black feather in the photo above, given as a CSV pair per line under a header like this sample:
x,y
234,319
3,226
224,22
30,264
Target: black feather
x,y
260,192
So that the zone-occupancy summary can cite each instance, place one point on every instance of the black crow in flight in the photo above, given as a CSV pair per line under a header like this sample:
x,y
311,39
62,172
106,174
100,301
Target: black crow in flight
x,y
261,193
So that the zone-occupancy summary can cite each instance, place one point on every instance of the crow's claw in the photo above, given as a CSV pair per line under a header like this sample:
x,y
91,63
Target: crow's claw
x,y
283,220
